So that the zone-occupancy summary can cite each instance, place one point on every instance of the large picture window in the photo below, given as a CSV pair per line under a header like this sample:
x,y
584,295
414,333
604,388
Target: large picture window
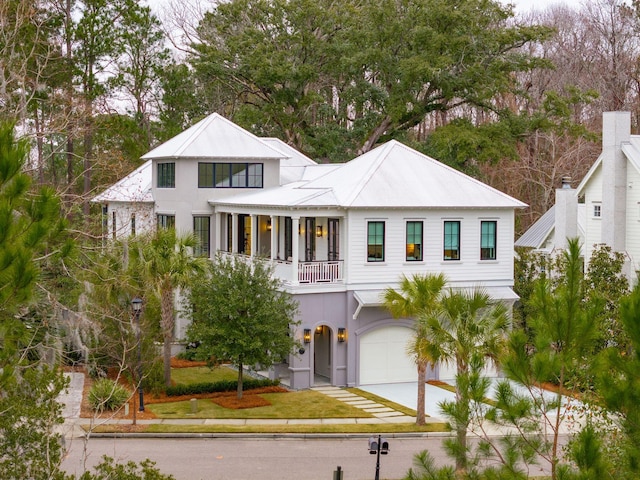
x,y
488,240
451,240
202,231
167,175
230,175
414,241
375,242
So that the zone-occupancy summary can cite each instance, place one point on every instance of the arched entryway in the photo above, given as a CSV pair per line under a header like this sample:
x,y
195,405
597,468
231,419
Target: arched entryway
x,y
322,355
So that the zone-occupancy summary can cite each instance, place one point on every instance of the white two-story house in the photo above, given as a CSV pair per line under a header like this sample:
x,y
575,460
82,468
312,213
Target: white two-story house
x,y
605,207
337,236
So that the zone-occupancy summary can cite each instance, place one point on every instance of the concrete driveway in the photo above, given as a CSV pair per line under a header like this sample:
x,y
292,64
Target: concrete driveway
x,y
406,394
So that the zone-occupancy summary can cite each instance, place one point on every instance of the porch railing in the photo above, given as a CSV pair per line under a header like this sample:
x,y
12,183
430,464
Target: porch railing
x,y
320,272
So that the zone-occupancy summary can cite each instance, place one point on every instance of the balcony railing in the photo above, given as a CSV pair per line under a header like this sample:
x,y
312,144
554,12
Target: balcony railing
x,y
308,272
320,272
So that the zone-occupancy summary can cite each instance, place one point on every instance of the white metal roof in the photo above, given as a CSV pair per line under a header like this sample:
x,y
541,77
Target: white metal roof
x,y
215,137
292,168
390,176
135,187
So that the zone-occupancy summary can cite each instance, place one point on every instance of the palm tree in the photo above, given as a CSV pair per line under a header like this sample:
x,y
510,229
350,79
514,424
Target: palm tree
x,y
167,263
467,329
417,296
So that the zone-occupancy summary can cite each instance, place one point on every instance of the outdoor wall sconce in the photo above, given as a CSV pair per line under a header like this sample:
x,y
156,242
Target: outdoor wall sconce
x,y
307,335
268,225
319,231
342,335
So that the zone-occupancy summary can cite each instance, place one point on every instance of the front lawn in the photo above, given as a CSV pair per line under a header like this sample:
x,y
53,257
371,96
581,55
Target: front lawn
x,y
202,374
303,404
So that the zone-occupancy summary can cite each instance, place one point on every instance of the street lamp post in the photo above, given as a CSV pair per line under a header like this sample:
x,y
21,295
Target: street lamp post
x,y
381,446
136,304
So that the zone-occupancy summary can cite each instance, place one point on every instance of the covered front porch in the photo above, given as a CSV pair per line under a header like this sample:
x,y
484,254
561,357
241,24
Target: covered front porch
x,y
302,249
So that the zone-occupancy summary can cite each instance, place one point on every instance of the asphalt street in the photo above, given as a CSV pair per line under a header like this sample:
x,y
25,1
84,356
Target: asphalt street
x,y
256,458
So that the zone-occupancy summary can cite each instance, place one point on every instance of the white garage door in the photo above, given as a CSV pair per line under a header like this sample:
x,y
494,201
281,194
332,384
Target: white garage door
x,y
383,356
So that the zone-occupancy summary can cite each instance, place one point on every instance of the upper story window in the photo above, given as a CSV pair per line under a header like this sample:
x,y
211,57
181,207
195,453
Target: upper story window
x,y
202,231
451,240
375,241
167,175
230,175
166,221
597,210
488,240
414,241
133,224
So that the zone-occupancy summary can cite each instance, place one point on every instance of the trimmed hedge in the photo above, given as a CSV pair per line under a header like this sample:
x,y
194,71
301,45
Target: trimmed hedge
x,y
221,386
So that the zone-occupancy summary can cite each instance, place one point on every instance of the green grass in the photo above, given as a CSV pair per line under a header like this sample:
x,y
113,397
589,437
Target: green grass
x,y
303,404
202,374
387,428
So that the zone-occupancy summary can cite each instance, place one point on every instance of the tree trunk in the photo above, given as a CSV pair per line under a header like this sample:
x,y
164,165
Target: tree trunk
x,y
240,370
375,135
167,331
422,369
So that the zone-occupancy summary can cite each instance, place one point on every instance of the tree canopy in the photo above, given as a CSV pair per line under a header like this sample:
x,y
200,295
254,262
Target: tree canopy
x,y
239,314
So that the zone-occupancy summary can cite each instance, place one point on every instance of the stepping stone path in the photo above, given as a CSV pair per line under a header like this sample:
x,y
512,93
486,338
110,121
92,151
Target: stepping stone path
x,y
378,410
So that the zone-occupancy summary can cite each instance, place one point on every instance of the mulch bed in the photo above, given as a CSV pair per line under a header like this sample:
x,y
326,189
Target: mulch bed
x,y
250,398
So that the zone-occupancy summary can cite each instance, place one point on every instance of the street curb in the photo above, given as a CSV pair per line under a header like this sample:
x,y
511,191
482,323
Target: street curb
x,y
308,436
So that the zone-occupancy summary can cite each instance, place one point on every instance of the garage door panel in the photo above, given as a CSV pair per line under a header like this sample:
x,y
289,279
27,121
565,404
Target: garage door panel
x,y
384,358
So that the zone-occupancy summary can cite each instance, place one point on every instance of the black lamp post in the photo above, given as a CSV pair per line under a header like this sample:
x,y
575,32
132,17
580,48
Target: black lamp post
x,y
381,446
136,304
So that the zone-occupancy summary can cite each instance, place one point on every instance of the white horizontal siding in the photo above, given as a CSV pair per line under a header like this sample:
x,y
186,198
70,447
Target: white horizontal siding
x,y
592,193
633,215
468,269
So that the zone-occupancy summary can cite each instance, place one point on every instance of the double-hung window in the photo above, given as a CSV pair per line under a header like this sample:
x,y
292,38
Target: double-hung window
x,y
451,240
167,175
202,231
375,241
414,241
488,240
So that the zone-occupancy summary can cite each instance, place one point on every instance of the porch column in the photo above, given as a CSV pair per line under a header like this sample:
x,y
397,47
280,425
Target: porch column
x,y
253,219
295,240
274,236
234,233
217,236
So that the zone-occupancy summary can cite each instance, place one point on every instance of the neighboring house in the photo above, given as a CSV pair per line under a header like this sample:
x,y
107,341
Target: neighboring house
x,y
605,207
337,236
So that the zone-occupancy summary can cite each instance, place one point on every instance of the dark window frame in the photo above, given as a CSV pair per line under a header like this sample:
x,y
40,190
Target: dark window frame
x,y
230,175
451,240
488,240
164,220
166,175
203,234
375,241
416,246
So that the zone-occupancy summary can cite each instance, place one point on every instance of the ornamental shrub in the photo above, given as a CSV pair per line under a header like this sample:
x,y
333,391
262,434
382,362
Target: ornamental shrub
x,y
220,386
106,394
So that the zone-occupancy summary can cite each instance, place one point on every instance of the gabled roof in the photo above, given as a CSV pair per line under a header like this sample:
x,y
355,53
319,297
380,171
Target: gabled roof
x,y
390,176
215,137
539,233
630,149
135,187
